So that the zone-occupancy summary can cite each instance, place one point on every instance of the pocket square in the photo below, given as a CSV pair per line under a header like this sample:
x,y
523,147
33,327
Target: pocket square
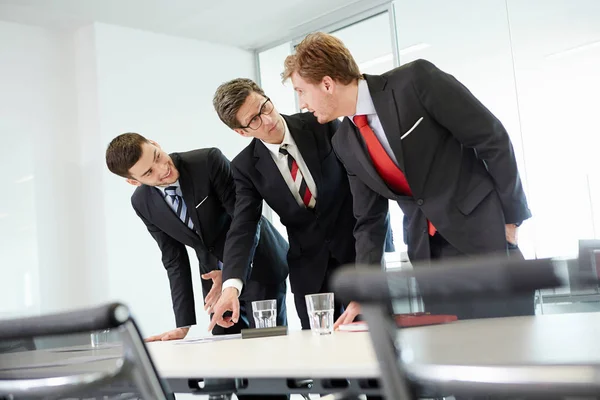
x,y
411,129
204,199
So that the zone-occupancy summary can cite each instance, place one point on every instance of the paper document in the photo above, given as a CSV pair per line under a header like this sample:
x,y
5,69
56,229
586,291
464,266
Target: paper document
x,y
208,339
359,326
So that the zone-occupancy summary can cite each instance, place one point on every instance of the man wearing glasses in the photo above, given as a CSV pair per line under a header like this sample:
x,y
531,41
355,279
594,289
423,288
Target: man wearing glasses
x,y
289,164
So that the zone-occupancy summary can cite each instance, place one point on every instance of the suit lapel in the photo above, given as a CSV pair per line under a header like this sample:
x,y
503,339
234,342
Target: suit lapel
x,y
385,106
159,207
188,190
360,151
307,146
267,168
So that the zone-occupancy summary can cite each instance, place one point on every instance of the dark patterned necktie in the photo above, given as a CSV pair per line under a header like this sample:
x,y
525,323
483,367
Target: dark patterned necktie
x,y
178,205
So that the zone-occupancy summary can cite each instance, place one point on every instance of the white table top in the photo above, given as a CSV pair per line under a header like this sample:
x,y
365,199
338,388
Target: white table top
x,y
558,353
546,339
299,354
430,353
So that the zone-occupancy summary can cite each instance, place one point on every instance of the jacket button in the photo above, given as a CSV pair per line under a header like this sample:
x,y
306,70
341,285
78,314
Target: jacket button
x,y
420,202
211,249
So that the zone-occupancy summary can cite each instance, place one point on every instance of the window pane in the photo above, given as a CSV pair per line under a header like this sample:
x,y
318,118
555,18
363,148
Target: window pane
x,y
556,45
370,43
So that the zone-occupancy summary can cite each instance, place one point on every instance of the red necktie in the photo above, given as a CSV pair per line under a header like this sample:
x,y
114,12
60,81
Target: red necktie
x,y
389,172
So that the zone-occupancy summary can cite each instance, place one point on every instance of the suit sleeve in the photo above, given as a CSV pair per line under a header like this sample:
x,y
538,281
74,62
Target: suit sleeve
x,y
222,179
243,235
472,124
372,222
177,263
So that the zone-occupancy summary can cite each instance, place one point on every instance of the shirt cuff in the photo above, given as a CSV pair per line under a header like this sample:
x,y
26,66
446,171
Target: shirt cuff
x,y
233,282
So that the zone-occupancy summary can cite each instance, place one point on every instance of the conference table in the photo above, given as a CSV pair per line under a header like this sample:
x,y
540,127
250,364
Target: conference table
x,y
543,354
557,354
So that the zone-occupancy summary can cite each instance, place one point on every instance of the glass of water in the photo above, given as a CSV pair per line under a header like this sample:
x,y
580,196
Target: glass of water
x,y
265,313
99,338
320,313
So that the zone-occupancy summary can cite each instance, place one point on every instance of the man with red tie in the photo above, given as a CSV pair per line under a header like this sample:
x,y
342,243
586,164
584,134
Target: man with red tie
x,y
417,136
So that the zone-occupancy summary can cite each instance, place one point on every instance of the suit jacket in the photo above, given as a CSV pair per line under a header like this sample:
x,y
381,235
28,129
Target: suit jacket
x,y
209,194
458,160
315,235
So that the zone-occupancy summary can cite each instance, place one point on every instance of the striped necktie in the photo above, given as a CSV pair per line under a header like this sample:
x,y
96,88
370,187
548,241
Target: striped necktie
x,y
307,197
178,205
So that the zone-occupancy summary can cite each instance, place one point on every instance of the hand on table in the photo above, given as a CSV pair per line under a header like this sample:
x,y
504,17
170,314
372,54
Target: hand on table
x,y
348,316
175,334
215,291
227,302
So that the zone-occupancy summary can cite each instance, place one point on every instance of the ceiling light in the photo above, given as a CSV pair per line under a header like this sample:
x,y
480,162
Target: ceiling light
x,y
24,179
413,48
572,50
375,61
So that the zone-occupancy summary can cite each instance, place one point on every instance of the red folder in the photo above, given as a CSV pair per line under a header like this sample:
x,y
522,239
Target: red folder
x,y
404,321
422,319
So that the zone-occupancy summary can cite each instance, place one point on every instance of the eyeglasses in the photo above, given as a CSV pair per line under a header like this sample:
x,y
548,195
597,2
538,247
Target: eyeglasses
x,y
256,121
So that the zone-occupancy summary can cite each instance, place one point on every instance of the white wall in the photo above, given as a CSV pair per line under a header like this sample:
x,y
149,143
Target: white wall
x,y
18,249
37,227
69,237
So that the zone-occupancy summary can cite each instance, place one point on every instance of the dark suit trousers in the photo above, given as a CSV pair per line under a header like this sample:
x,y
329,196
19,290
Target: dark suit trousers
x,y
480,307
300,301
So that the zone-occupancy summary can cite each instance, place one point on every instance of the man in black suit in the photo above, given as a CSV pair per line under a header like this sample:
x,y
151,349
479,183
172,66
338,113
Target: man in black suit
x,y
291,165
187,199
417,136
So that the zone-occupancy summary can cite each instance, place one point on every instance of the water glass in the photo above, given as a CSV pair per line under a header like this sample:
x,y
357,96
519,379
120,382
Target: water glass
x,y
265,313
99,338
320,313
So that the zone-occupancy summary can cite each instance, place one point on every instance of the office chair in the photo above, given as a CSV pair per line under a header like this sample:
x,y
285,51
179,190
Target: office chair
x,y
133,366
375,290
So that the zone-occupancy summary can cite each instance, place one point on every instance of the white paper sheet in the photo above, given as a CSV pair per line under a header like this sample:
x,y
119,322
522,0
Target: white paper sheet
x,y
208,339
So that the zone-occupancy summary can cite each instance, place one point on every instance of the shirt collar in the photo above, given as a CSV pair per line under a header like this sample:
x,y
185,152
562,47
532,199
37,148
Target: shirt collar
x,y
287,140
176,183
364,102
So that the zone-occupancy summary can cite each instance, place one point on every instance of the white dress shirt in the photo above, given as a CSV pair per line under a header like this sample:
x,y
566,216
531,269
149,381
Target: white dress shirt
x,y
282,164
365,106
168,198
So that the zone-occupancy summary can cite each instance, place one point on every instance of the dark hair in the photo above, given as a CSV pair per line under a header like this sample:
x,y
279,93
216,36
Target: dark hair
x,y
230,97
123,152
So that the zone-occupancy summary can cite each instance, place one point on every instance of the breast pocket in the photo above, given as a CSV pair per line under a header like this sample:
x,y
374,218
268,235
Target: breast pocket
x,y
411,130
202,201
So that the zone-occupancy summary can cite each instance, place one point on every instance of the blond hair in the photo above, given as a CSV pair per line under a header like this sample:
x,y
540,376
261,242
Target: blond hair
x,y
320,55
